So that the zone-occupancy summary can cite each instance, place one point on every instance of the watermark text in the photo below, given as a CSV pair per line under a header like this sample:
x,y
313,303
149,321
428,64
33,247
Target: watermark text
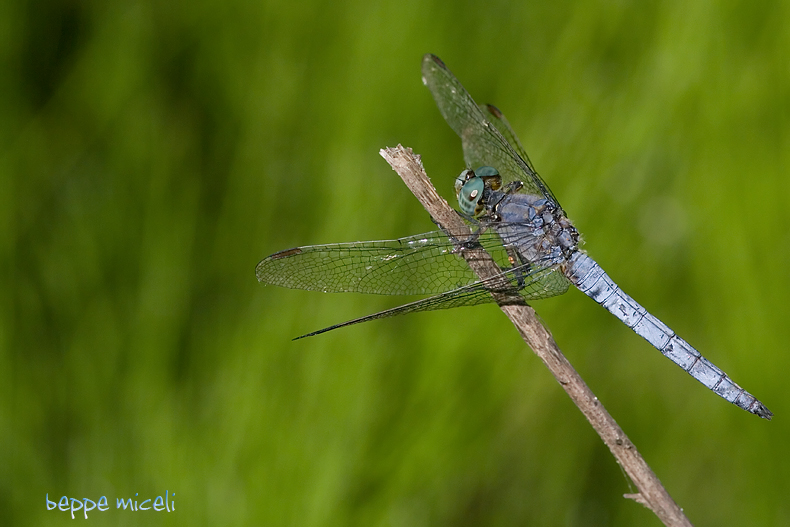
x,y
166,502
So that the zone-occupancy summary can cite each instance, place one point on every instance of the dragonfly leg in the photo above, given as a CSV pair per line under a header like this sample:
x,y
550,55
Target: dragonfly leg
x,y
512,187
465,242
468,218
521,267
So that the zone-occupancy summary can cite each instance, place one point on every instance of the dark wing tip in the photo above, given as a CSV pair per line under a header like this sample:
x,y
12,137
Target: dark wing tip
x,y
260,269
430,57
430,64
493,110
285,254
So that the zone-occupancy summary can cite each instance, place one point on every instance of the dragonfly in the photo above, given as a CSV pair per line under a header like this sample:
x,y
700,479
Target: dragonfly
x,y
517,221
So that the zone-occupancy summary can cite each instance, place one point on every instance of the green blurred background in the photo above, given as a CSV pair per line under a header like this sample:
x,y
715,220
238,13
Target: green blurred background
x,y
154,152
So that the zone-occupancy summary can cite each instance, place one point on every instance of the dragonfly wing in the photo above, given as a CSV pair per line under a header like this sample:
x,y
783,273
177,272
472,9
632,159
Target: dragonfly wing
x,y
450,299
514,286
422,264
498,119
482,139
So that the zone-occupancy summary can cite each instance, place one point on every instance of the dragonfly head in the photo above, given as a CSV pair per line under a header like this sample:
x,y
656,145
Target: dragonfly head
x,y
471,185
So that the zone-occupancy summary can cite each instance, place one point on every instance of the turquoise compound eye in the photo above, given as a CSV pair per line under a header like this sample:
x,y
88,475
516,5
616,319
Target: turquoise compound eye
x,y
490,176
469,194
486,172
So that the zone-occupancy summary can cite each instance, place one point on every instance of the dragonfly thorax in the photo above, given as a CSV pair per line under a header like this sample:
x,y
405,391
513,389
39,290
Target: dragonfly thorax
x,y
536,226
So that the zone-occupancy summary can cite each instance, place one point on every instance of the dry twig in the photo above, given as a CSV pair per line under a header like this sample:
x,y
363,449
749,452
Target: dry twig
x,y
651,493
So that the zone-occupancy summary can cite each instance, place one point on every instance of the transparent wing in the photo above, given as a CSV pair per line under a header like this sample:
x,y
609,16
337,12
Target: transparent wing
x,y
519,285
495,116
422,264
427,263
485,134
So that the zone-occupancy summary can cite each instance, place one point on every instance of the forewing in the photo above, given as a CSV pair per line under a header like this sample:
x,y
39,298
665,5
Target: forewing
x,y
495,116
427,263
483,140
